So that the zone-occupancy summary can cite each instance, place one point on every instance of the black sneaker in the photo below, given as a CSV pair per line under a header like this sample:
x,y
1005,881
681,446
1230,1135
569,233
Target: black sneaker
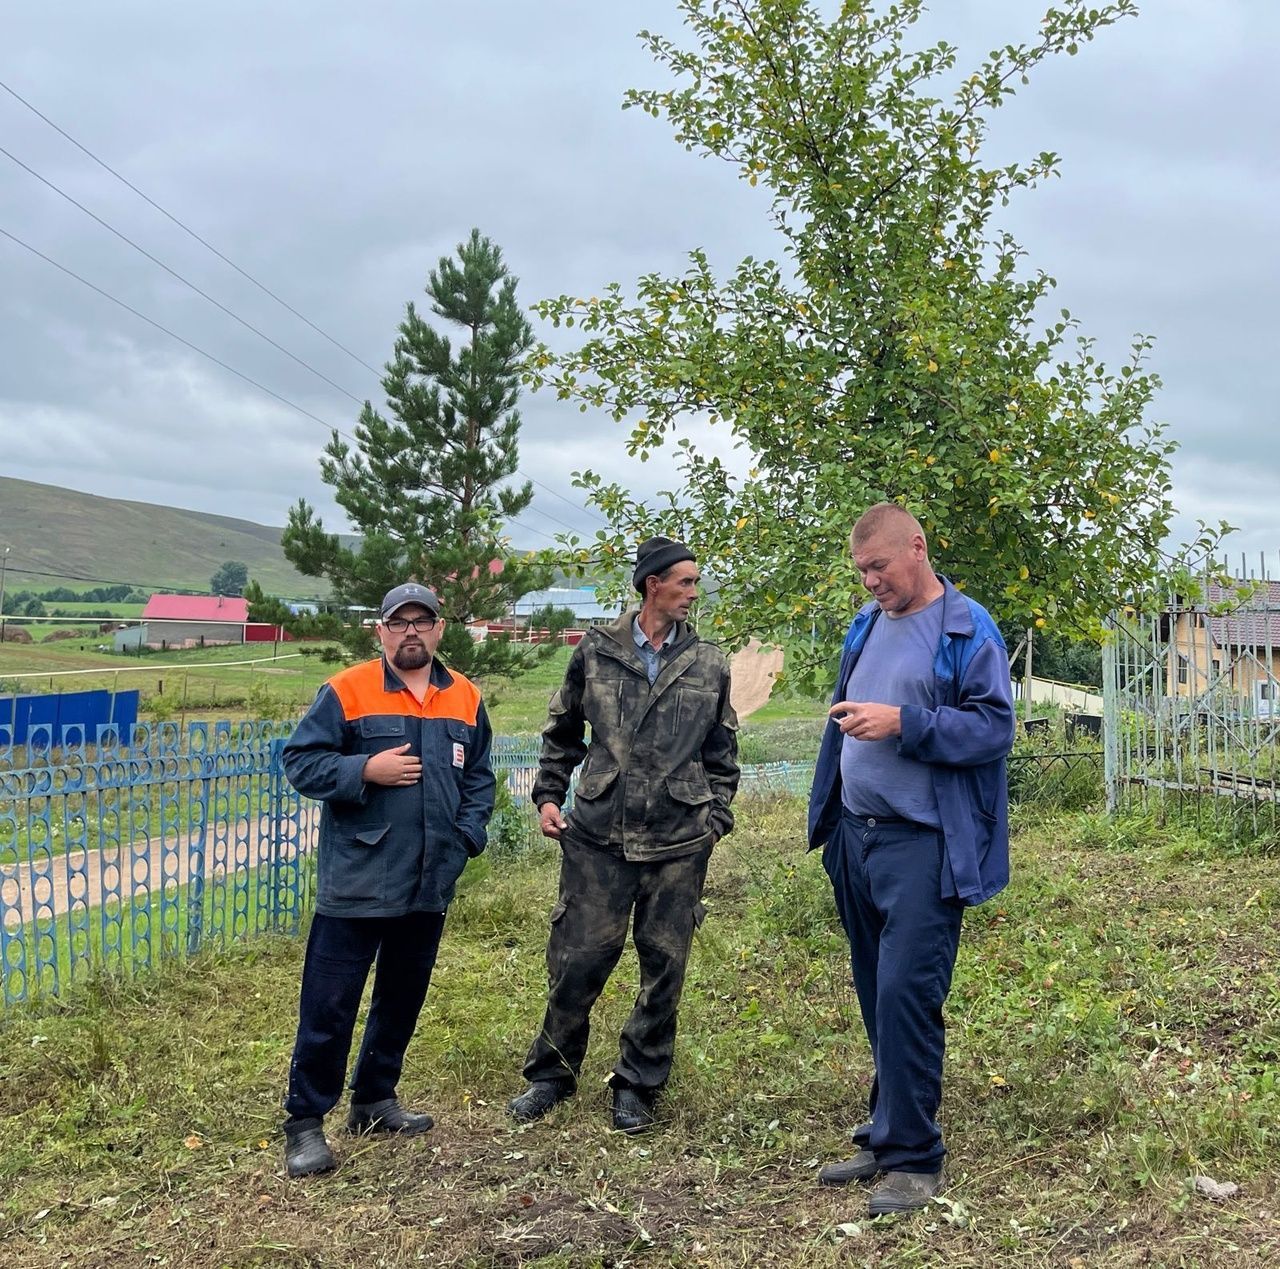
x,y
306,1152
538,1099
632,1110
387,1116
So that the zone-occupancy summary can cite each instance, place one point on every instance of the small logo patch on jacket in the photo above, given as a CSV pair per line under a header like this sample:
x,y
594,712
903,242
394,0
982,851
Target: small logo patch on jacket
x,y
459,755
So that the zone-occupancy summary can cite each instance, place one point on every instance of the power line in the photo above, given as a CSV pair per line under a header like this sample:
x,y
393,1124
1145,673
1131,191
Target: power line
x,y
577,506
249,326
204,242
217,361
547,515
293,405
103,581
153,587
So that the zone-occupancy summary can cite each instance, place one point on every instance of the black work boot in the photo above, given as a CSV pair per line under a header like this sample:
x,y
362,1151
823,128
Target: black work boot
x,y
632,1109
862,1167
904,1192
387,1116
538,1099
306,1152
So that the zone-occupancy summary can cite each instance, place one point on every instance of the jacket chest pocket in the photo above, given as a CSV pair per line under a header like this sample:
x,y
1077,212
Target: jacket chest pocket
x,y
695,710
381,732
604,693
450,743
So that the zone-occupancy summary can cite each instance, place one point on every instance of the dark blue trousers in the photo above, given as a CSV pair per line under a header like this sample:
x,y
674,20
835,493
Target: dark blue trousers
x,y
340,951
903,938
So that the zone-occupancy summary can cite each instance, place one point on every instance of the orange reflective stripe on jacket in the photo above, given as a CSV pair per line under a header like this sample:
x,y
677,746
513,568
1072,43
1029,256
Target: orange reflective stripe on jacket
x,y
363,691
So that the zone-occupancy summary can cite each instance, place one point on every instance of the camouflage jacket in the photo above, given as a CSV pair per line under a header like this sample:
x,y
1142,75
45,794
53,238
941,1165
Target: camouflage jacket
x,y
662,764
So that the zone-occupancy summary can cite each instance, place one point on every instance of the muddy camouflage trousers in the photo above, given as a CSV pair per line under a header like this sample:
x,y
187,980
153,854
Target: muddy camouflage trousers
x,y
599,892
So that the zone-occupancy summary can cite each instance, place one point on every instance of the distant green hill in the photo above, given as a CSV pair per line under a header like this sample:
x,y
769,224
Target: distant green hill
x,y
58,535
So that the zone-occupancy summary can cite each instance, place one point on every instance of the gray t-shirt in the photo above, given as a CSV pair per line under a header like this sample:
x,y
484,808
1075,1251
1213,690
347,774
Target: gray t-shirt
x,y
894,668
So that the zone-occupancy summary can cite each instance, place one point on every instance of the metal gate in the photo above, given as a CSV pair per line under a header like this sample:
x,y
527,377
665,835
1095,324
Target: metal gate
x,y
1192,707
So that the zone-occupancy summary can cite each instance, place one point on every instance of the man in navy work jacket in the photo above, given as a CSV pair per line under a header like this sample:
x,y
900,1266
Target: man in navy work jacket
x,y
397,749
909,802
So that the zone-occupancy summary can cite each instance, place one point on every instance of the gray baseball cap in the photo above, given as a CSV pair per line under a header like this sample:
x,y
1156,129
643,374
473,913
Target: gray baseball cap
x,y
409,593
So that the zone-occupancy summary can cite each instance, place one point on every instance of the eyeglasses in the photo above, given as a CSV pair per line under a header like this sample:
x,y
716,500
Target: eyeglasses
x,y
398,625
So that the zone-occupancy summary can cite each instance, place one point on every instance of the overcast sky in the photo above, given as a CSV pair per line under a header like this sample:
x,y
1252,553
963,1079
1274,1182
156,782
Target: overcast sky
x,y
335,153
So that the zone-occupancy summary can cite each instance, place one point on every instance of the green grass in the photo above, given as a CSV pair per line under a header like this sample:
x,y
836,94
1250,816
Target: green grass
x,y
1114,1031
519,706
279,690
516,706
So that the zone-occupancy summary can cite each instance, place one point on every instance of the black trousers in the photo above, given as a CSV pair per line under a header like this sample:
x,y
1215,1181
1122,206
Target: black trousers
x,y
599,891
340,951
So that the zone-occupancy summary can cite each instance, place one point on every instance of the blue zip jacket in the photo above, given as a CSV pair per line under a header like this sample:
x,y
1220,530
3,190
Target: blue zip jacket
x,y
387,850
964,736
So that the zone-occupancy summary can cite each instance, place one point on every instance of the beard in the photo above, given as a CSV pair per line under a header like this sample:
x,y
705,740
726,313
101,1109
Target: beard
x,y
410,656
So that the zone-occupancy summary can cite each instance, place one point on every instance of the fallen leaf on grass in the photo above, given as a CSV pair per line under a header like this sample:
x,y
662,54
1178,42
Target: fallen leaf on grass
x,y
193,1142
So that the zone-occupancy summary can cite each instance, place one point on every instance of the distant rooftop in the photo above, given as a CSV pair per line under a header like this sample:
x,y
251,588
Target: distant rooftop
x,y
1252,623
230,608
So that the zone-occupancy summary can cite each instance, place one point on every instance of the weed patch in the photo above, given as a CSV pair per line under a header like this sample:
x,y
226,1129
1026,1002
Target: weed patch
x,y
1114,1032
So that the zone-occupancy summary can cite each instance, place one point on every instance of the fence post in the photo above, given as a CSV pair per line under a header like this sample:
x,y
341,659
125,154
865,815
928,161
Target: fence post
x,y
1111,714
275,792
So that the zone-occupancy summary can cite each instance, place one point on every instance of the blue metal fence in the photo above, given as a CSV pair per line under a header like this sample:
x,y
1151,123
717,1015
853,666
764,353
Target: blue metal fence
x,y
147,843
153,841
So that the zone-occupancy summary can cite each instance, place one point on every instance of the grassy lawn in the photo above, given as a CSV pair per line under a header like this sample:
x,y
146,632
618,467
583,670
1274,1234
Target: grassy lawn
x,y
516,707
1115,1031
211,691
519,707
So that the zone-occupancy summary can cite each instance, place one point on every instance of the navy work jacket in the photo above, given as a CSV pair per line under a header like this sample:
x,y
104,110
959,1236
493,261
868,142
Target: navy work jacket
x,y
385,851
964,736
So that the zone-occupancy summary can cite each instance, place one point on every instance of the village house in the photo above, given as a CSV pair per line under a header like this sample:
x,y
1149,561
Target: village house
x,y
195,621
1228,646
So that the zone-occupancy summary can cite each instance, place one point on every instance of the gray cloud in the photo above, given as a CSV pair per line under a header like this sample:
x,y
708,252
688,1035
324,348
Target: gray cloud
x,y
336,154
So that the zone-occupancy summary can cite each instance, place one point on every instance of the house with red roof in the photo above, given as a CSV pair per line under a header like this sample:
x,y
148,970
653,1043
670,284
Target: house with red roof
x,y
196,621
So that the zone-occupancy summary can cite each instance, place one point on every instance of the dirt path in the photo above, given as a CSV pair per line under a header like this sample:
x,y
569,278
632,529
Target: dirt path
x,y
753,670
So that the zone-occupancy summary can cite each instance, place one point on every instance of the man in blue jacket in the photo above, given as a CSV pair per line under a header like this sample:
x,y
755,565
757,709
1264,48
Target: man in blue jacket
x,y
910,805
397,749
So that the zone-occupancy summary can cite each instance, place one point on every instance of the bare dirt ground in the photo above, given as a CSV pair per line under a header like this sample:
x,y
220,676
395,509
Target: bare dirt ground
x,y
753,670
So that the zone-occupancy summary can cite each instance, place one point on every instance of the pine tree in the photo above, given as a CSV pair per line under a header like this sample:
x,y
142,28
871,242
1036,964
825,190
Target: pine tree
x,y
425,487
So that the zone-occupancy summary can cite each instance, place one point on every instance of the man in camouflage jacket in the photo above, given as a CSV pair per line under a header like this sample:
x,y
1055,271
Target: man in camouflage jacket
x,y
652,800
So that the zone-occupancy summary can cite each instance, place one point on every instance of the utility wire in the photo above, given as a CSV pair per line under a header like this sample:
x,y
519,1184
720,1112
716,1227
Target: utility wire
x,y
204,242
44,180
577,506
293,405
217,361
216,303
102,581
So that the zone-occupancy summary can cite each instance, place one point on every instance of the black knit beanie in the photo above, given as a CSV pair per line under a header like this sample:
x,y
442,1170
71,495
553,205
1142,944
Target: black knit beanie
x,y
656,555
